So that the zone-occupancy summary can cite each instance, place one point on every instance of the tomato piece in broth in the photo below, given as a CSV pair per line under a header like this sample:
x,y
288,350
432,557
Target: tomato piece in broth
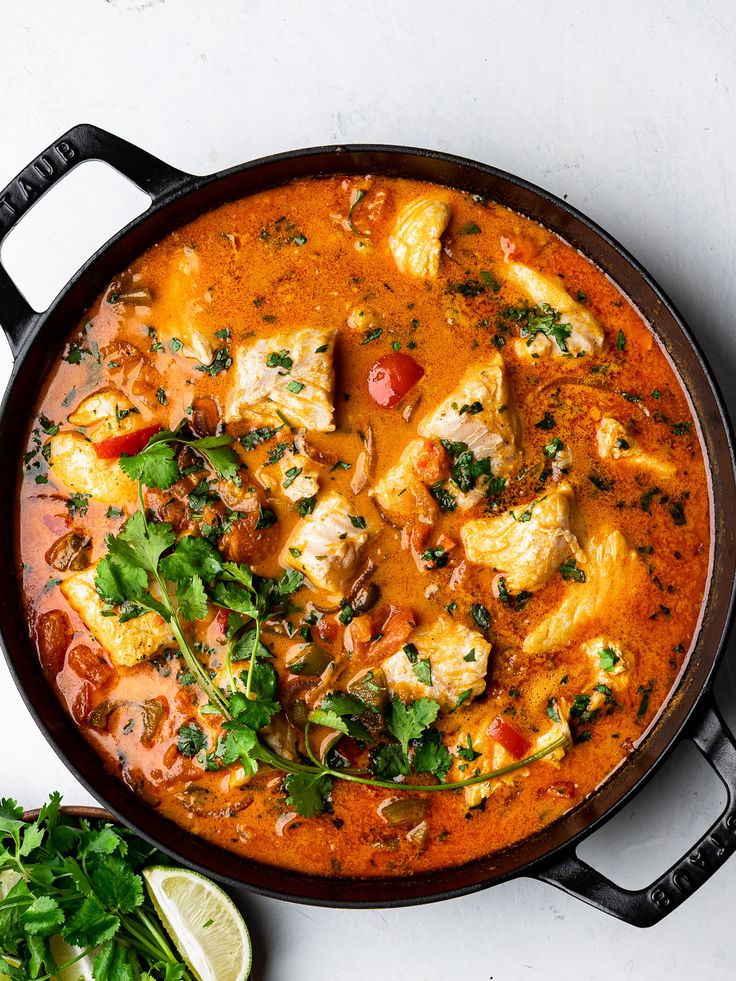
x,y
391,377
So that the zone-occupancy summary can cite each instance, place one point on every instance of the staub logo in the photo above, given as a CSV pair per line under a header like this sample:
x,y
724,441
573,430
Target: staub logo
x,y
696,867
34,180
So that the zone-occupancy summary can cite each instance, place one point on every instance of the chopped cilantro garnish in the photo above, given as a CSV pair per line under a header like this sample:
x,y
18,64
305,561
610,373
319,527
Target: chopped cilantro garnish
x,y
571,573
480,614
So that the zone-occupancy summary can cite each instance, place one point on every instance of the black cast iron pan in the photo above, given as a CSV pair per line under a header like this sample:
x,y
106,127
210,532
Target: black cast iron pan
x,y
36,339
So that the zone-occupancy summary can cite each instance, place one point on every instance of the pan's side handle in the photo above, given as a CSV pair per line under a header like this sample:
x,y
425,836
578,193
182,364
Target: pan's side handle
x,y
645,907
83,142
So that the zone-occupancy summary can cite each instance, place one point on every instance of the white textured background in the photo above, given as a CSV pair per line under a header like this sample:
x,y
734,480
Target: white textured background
x,y
627,109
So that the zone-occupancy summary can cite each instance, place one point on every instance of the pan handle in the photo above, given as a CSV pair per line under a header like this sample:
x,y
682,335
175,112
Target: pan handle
x,y
83,142
645,907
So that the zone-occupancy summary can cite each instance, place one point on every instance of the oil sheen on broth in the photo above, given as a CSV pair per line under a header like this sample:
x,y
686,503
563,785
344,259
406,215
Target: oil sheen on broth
x,y
475,459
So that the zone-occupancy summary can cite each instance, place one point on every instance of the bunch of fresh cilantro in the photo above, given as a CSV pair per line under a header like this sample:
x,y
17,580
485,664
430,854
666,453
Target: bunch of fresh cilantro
x,y
147,569
80,881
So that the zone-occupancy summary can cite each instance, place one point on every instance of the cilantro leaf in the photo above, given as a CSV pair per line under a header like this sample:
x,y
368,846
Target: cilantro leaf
x,y
107,841
43,917
116,885
291,580
191,739
607,658
257,436
154,466
407,722
332,720
430,755
467,752
192,599
117,581
113,963
90,924
423,671
257,711
32,838
191,557
307,793
571,573
233,596
219,453
342,704
242,648
388,762
141,542
239,744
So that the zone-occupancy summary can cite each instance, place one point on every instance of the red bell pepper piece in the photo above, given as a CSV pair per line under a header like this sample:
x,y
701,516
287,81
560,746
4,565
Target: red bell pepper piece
x,y
508,737
128,443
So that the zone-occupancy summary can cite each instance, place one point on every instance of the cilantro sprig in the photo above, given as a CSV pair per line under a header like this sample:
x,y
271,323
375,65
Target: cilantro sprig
x,y
80,880
156,466
147,570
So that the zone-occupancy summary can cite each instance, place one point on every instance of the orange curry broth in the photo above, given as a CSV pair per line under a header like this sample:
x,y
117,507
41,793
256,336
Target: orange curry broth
x,y
257,285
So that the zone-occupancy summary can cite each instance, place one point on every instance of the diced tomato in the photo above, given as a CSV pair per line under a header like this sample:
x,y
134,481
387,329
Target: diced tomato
x,y
508,737
433,463
128,443
391,377
82,703
395,629
54,634
93,667
220,622
327,628
358,633
390,628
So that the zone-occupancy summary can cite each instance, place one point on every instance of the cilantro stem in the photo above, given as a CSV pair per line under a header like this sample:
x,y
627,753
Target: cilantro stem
x,y
194,664
433,787
251,666
60,968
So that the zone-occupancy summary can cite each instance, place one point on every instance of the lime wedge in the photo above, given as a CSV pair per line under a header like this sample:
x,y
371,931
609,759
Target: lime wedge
x,y
203,922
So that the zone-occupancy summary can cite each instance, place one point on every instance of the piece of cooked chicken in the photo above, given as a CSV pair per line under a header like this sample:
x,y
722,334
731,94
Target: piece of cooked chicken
x,y
73,461
415,241
610,667
529,543
458,661
325,545
126,643
290,371
180,304
585,335
613,571
295,476
479,414
400,495
105,414
616,443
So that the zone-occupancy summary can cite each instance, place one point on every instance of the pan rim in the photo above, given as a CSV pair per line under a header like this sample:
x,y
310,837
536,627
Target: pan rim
x,y
197,185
